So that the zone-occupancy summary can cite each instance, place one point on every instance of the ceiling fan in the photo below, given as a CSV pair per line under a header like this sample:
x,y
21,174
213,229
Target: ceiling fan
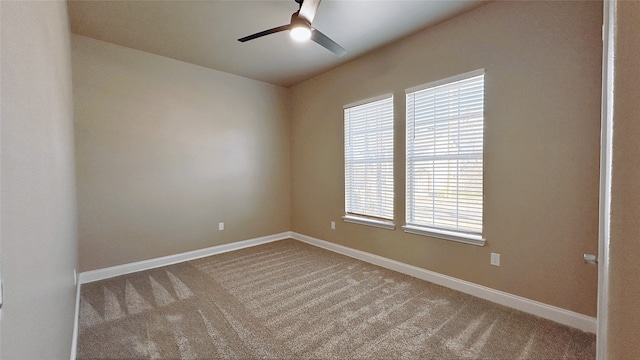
x,y
300,28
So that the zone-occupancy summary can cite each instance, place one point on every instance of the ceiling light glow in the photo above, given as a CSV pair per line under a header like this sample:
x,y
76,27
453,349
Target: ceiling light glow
x,y
300,33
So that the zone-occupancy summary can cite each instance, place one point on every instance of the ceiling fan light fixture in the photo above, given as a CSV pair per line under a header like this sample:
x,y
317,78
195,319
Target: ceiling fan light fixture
x,y
300,29
300,33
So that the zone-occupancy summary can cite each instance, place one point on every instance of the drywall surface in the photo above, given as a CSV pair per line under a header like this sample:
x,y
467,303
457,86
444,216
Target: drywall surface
x,y
39,221
541,147
624,250
166,150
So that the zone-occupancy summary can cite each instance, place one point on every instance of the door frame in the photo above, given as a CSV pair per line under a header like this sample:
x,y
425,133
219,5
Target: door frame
x,y
608,52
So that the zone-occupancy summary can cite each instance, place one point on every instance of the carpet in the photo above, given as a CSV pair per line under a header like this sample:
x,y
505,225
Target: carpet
x,y
290,300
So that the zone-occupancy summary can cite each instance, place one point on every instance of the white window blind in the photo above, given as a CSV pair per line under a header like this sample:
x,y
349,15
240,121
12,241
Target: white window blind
x,y
368,158
445,124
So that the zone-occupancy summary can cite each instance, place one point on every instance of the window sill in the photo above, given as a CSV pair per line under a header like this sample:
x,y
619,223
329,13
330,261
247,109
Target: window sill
x,y
476,240
389,225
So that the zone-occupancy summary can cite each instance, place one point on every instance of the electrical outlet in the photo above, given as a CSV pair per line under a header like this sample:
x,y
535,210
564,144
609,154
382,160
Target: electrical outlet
x,y
221,226
75,277
495,259
333,225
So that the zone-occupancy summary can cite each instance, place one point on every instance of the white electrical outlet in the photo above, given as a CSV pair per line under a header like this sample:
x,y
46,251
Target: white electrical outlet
x,y
333,225
221,226
75,277
495,259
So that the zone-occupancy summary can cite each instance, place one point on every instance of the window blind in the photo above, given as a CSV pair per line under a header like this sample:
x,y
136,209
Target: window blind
x,y
368,158
445,122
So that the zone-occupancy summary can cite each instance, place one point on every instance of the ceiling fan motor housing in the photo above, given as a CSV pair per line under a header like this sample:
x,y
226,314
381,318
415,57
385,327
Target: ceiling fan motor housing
x,y
298,21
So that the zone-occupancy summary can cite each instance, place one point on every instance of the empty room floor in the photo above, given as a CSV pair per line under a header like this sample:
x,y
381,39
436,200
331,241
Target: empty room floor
x,y
291,300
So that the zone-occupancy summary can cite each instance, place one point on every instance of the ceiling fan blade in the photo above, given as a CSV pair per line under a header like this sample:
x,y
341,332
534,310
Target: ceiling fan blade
x,y
263,33
308,9
323,40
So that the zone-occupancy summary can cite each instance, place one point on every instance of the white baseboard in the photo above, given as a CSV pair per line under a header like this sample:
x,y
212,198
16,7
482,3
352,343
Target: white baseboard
x,y
101,274
559,315
562,316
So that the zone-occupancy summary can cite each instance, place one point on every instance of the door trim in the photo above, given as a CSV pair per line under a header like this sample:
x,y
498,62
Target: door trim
x,y
608,52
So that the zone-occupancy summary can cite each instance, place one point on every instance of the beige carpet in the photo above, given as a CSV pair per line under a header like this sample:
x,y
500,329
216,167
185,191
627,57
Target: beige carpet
x,y
289,300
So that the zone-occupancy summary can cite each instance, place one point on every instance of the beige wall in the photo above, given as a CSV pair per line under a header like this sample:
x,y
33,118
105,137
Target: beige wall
x,y
624,255
39,242
166,150
542,126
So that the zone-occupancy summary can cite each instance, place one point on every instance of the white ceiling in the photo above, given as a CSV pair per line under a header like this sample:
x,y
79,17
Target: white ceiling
x,y
205,33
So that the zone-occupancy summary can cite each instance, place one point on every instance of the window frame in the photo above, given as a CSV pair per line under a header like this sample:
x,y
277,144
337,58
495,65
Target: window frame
x,y
367,219
458,235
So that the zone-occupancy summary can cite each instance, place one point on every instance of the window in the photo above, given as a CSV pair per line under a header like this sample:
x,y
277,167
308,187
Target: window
x,y
368,162
445,122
